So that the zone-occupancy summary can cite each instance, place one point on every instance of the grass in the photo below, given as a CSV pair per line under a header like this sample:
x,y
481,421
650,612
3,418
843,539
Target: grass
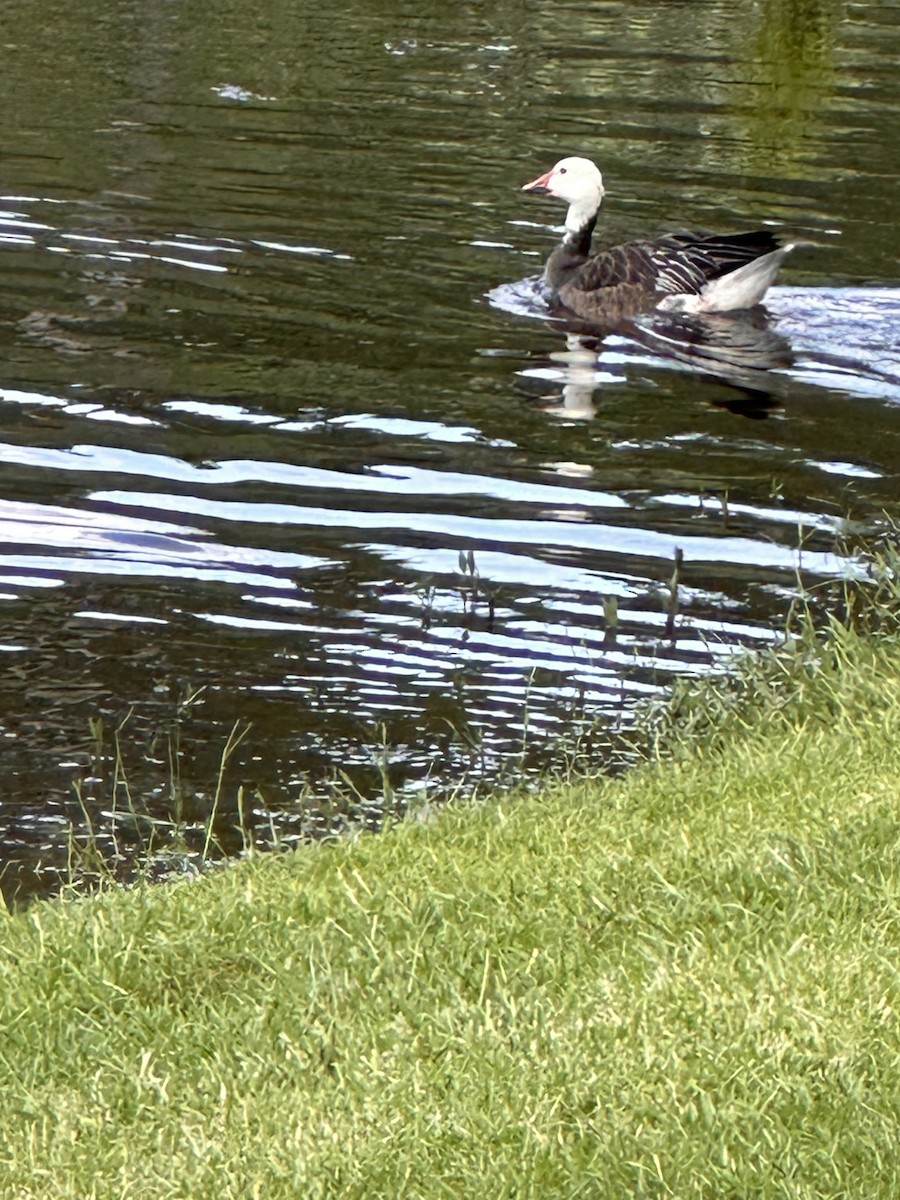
x,y
680,983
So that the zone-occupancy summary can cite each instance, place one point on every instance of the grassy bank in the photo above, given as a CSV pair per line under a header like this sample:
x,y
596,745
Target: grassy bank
x,y
683,982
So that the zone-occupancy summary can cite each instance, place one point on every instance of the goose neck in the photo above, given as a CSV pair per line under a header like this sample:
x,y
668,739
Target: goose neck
x,y
578,237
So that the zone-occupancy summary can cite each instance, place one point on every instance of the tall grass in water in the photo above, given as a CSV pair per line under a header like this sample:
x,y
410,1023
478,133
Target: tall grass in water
x,y
682,982
816,671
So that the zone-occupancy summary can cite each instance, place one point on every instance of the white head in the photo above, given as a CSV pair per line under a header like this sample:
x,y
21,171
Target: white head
x,y
579,183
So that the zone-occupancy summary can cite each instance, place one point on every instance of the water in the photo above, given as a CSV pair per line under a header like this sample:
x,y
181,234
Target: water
x,y
301,494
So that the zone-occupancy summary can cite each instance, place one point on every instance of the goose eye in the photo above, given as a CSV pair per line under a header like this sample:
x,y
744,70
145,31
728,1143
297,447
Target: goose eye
x,y
562,170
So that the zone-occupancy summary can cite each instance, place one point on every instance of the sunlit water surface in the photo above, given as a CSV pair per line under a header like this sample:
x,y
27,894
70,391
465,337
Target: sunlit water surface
x,y
308,510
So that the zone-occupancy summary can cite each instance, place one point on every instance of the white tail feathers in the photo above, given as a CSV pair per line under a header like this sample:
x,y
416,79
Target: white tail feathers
x,y
742,288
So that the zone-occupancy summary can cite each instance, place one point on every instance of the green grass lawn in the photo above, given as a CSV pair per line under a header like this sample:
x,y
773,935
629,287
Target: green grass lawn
x,y
679,983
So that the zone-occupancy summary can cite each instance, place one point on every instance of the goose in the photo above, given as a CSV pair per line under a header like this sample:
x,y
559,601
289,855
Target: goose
x,y
679,272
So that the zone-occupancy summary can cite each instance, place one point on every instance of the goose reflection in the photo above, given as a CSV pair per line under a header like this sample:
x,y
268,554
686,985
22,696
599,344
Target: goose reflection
x,y
739,349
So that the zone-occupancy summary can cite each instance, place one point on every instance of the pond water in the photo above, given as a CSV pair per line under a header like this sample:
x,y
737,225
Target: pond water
x,y
306,512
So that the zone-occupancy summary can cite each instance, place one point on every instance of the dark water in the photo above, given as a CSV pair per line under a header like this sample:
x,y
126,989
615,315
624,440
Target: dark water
x,y
294,500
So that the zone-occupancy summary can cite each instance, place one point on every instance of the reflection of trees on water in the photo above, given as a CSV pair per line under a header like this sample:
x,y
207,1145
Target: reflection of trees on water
x,y
791,71
743,92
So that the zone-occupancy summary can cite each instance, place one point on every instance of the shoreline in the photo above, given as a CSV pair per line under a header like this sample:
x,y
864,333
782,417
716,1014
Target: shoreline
x,y
681,980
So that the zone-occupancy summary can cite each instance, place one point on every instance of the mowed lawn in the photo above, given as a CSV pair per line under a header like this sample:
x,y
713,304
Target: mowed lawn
x,y
683,982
